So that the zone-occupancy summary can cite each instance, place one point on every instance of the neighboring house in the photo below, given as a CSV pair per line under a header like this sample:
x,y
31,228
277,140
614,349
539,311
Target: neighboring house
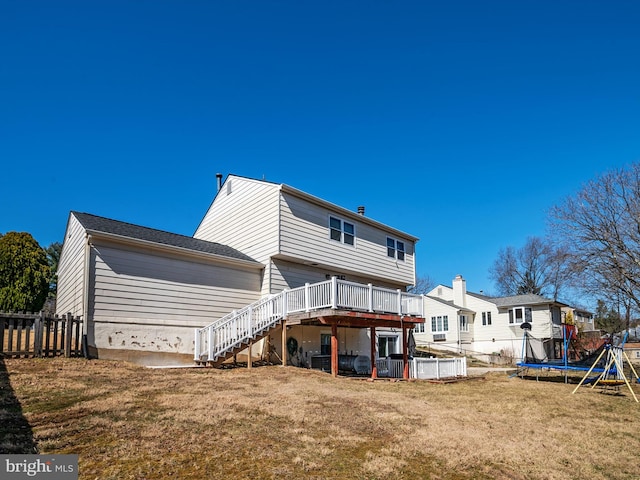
x,y
633,352
144,290
480,325
583,320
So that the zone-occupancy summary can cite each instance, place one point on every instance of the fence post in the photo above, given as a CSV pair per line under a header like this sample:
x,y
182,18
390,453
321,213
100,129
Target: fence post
x,y
370,297
399,301
37,335
3,325
196,346
67,336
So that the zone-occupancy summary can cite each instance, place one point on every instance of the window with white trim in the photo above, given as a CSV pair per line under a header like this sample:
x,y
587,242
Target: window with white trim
x,y
395,249
519,315
440,323
464,323
341,231
387,345
419,328
486,319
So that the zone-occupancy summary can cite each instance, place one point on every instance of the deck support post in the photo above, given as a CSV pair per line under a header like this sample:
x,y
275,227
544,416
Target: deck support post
x,y
334,350
374,367
249,362
405,355
284,343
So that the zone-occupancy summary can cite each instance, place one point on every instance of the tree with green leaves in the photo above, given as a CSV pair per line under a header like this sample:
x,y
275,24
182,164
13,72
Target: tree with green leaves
x,y
24,273
608,319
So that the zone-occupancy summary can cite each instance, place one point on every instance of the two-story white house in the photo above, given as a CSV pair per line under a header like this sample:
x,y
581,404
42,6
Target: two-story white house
x,y
480,325
142,291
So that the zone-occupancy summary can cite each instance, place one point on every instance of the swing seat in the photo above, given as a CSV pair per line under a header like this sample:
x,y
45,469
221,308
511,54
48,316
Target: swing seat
x,y
611,383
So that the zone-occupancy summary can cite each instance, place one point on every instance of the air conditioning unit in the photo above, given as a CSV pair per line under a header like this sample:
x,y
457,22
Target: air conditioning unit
x,y
439,337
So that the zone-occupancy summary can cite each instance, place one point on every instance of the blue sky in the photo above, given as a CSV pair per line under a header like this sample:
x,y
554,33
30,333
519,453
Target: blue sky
x,y
459,122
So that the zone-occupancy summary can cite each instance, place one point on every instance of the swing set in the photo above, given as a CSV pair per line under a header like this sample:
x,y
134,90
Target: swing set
x,y
612,376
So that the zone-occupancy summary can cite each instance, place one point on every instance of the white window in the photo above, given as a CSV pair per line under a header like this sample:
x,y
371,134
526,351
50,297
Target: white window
x,y
387,345
342,231
395,249
419,328
520,315
464,323
440,323
637,353
486,318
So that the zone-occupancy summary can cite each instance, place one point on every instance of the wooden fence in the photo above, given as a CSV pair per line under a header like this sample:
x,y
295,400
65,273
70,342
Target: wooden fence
x,y
24,335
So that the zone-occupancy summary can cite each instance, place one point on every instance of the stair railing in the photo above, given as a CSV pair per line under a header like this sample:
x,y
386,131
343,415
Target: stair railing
x,y
238,327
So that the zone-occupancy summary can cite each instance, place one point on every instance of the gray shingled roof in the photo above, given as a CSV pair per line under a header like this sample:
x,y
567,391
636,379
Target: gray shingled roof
x,y
517,300
137,232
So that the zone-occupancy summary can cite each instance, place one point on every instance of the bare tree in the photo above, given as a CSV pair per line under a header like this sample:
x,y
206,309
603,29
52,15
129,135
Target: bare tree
x,y
600,226
424,284
538,268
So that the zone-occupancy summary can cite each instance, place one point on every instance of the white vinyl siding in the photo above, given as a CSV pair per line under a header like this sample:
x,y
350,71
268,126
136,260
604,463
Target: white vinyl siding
x,y
305,237
157,290
245,219
286,274
265,220
70,270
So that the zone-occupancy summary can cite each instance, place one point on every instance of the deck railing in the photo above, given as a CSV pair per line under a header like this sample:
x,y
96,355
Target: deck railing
x,y
238,327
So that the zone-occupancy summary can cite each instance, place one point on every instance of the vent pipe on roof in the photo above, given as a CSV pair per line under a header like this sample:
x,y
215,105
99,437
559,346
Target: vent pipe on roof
x,y
219,180
361,210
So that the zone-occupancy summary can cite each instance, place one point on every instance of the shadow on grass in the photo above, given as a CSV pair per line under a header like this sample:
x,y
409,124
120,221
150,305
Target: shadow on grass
x,y
16,436
554,377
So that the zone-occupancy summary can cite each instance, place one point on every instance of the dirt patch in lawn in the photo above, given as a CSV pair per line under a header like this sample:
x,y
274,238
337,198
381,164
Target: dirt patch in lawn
x,y
129,422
